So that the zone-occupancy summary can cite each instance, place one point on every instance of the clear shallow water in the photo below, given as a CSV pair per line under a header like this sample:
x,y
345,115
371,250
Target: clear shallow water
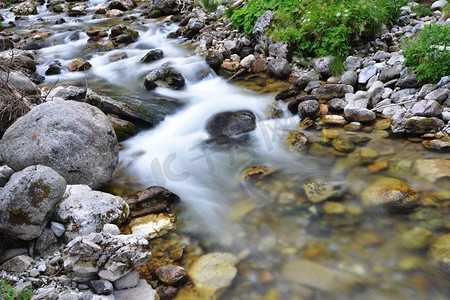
x,y
270,223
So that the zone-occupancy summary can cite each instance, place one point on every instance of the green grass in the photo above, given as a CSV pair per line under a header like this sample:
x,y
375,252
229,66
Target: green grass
x,y
320,27
8,293
422,10
428,53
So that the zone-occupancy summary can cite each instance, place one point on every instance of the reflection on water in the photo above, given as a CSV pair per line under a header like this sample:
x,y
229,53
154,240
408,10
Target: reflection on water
x,y
290,246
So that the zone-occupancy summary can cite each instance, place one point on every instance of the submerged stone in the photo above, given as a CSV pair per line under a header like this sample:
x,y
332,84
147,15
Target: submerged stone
x,y
319,190
391,193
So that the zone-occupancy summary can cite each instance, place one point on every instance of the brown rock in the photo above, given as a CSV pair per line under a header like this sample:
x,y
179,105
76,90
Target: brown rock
x,y
171,275
152,200
391,193
79,64
256,173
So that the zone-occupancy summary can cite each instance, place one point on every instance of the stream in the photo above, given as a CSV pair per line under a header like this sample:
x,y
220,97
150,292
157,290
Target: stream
x,y
269,224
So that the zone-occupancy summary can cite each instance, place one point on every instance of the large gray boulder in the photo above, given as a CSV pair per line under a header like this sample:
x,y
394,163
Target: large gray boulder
x,y
85,211
75,139
279,68
28,201
101,254
21,83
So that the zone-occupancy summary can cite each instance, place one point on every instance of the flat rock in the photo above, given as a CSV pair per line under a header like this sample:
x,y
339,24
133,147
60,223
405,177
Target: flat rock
x,y
212,273
432,169
142,291
321,277
232,123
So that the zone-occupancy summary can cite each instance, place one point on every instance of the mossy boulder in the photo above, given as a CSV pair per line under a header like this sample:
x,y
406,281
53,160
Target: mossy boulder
x,y
28,201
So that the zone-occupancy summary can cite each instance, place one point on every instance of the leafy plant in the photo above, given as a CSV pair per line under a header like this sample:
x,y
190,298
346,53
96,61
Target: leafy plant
x,y
210,5
422,10
320,27
428,53
8,292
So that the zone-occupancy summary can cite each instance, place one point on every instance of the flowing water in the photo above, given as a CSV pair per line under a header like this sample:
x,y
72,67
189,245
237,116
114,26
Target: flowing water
x,y
270,223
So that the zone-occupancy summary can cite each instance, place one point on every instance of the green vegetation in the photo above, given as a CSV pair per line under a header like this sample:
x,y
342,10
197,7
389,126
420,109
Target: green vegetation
x,y
210,5
446,11
422,10
428,53
320,27
8,293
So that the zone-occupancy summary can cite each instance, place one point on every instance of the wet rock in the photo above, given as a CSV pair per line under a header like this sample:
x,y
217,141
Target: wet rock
x,y
330,91
279,68
127,281
256,173
212,273
317,276
432,169
416,238
54,68
366,74
422,125
231,123
343,145
297,141
76,10
17,264
166,78
28,201
152,200
439,251
333,120
25,8
440,145
309,108
114,13
322,66
391,193
149,110
152,226
427,108
85,211
167,293
123,129
102,287
171,275
108,256
79,64
319,190
356,114
142,291
214,59
288,93
79,142
123,5
153,55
